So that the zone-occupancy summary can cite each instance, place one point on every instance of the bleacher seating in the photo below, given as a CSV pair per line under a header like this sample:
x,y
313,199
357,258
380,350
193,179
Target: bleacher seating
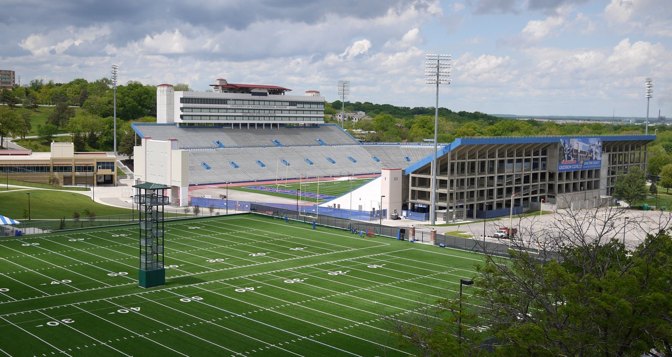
x,y
269,154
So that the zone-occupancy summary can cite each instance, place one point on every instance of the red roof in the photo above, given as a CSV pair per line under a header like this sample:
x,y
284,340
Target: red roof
x,y
15,152
165,85
251,86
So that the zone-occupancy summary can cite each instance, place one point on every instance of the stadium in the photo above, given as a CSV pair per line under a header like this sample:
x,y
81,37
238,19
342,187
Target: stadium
x,y
258,133
284,279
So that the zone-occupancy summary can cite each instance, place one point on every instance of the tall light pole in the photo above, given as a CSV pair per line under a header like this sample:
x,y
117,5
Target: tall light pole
x,y
459,317
298,193
227,197
437,72
114,105
380,214
343,92
649,94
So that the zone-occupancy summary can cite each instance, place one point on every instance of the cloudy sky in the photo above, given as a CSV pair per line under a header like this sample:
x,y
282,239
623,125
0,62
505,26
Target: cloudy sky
x,y
526,57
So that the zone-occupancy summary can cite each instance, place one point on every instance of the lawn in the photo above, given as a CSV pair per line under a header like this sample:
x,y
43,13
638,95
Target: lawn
x,y
328,188
236,285
38,117
39,185
51,204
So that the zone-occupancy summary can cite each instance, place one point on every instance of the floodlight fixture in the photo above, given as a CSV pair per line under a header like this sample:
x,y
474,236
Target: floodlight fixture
x,y
115,68
648,83
343,93
437,72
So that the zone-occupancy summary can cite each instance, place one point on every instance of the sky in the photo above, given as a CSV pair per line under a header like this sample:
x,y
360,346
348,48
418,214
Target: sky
x,y
524,57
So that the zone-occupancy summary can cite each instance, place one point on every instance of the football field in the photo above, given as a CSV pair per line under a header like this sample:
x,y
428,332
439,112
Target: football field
x,y
236,285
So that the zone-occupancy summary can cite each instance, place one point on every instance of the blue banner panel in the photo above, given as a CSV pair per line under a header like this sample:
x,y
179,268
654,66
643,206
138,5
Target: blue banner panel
x,y
580,154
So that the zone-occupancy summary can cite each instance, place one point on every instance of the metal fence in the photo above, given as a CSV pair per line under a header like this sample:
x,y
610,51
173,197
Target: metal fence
x,y
361,223
373,228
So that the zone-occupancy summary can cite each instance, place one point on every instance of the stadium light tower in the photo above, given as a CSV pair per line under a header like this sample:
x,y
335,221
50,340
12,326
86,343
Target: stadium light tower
x,y
437,72
649,94
343,92
114,86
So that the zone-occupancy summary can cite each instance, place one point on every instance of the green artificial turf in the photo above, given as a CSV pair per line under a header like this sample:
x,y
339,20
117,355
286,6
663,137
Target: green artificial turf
x,y
331,188
236,285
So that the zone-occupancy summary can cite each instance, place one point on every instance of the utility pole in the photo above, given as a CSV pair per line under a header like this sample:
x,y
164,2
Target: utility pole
x,y
437,72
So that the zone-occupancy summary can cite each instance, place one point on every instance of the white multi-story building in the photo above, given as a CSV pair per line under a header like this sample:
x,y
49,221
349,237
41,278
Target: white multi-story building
x,y
238,105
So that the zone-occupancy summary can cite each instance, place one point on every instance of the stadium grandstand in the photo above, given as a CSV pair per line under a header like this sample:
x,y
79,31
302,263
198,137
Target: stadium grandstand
x,y
219,155
249,133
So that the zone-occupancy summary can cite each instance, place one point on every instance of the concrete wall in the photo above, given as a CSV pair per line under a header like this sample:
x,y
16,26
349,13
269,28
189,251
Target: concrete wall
x,y
165,109
390,187
159,161
62,150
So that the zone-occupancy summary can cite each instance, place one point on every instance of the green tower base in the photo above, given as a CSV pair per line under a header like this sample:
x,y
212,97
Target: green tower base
x,y
151,278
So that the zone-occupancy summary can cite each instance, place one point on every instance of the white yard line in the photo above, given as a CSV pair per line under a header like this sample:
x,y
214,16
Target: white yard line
x,y
264,323
177,329
84,334
220,326
72,271
335,330
44,275
193,285
131,331
37,337
22,283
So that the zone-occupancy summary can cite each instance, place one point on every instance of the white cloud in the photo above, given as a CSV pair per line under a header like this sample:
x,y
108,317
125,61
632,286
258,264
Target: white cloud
x,y
358,48
652,17
536,30
59,41
165,42
484,69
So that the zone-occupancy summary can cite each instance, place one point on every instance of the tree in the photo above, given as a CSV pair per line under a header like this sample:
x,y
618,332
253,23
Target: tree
x,y
579,293
653,189
666,177
61,114
9,98
631,187
657,158
8,123
46,132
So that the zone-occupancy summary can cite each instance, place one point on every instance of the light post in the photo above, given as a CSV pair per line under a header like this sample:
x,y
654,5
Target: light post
x,y
648,83
132,210
298,193
459,317
7,178
227,197
541,203
380,214
28,193
437,72
625,225
114,105
343,92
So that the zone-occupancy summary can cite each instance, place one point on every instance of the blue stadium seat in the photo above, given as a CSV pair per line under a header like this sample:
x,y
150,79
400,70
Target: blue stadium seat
x,y
234,165
205,165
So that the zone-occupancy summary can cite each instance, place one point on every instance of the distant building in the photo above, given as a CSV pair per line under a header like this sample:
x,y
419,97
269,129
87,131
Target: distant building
x,y
354,116
7,79
238,105
62,166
